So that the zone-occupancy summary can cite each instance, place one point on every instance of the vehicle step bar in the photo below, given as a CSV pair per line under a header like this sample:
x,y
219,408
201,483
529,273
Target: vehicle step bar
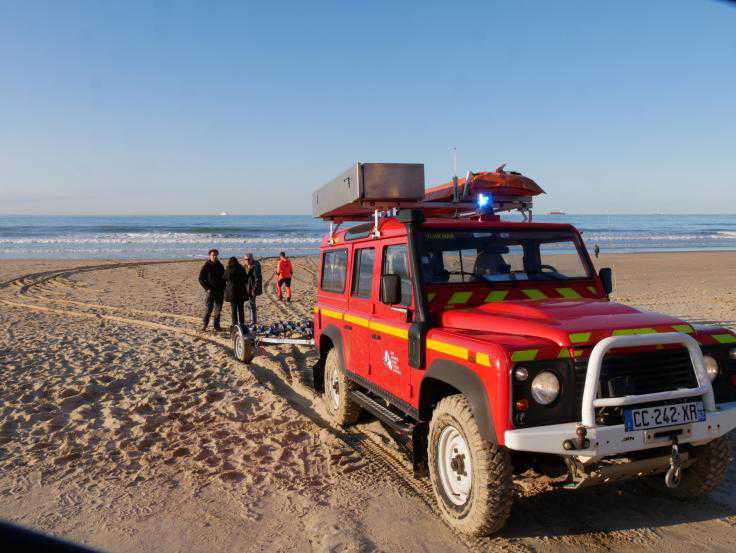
x,y
381,412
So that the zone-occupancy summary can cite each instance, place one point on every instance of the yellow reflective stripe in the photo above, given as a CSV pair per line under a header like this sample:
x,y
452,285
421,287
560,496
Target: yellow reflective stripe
x,y
392,330
579,337
725,338
568,293
497,295
687,329
565,353
431,296
315,309
630,331
483,359
449,349
524,355
534,294
332,314
460,297
360,321
593,289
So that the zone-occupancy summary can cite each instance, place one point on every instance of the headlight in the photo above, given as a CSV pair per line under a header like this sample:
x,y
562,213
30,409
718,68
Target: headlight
x,y
711,367
545,388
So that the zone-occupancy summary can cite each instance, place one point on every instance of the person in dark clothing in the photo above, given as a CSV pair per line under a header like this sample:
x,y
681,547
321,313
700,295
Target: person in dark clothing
x,y
211,278
254,284
597,251
235,290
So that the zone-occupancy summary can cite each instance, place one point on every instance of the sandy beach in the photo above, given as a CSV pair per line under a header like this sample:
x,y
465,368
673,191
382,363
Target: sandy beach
x,y
123,428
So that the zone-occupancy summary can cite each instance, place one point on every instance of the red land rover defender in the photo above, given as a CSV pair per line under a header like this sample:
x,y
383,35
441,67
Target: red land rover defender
x,y
494,348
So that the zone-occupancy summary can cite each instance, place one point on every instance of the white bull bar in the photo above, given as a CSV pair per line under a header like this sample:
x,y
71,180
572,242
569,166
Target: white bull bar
x,y
612,440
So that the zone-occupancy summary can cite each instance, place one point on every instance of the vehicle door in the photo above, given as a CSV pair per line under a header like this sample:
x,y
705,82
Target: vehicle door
x,y
361,309
333,293
390,326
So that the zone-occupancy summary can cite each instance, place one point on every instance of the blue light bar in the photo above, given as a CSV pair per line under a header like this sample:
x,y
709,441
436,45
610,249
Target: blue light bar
x,y
485,201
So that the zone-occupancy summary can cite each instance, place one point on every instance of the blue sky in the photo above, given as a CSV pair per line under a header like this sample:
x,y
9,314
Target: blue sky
x,y
198,107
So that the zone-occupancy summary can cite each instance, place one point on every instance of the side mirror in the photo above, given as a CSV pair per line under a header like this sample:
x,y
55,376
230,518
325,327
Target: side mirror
x,y
606,275
390,289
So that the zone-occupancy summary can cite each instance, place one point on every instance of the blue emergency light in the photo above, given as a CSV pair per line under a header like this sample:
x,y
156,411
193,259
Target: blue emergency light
x,y
485,202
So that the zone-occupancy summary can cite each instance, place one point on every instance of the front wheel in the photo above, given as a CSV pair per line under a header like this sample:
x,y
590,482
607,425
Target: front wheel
x,y
471,477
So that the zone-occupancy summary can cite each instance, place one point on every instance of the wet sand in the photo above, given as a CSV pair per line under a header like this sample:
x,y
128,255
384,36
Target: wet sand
x,y
124,428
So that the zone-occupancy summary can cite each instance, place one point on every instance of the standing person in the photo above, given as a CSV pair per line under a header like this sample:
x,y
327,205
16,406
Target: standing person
x,y
283,276
235,290
253,285
597,251
211,279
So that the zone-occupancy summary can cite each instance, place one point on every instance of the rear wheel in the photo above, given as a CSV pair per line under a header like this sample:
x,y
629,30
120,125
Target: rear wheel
x,y
471,477
704,475
341,407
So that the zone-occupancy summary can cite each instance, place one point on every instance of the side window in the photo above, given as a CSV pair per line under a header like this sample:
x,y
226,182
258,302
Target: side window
x,y
334,269
396,262
363,272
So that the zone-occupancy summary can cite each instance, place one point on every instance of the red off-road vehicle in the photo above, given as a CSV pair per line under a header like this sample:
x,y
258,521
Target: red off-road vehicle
x,y
494,348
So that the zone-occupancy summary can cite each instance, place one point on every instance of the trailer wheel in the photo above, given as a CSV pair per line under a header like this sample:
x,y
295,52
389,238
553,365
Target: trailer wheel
x,y
704,475
336,396
471,477
243,346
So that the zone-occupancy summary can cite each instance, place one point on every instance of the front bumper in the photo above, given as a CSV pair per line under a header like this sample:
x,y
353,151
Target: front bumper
x,y
607,441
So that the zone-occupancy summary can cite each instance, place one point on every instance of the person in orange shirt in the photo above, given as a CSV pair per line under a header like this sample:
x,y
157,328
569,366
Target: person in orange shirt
x,y
283,277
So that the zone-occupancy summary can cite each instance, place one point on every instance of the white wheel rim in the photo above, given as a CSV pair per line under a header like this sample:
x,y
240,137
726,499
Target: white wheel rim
x,y
334,388
239,348
454,465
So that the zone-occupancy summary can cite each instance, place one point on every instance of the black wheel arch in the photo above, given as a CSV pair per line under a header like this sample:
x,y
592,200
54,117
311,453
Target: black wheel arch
x,y
329,338
444,378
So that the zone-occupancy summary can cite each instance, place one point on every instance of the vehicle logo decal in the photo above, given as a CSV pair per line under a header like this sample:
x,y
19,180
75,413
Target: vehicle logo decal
x,y
391,361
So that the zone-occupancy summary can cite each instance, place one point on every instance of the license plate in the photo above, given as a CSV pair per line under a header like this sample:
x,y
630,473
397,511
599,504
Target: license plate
x,y
663,415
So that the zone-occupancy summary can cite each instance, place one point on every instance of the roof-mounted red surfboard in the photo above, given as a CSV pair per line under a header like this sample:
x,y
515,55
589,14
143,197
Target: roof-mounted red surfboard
x,y
500,183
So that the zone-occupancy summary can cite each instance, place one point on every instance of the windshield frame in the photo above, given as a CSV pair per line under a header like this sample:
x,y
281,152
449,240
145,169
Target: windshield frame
x,y
570,233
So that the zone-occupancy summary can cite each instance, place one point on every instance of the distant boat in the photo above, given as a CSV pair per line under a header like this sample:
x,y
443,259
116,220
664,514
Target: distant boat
x,y
224,213
556,213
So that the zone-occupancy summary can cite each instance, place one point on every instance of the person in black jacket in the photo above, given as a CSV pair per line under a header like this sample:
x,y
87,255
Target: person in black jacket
x,y
235,290
211,278
254,284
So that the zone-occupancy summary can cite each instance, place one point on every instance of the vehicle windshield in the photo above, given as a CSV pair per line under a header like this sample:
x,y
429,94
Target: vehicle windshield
x,y
449,256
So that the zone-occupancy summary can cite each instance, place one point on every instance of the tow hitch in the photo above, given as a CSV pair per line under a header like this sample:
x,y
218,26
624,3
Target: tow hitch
x,y
673,477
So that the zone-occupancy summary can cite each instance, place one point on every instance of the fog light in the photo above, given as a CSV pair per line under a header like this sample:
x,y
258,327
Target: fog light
x,y
522,404
711,367
521,374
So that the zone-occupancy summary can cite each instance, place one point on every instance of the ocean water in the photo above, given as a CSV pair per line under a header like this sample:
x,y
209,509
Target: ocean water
x,y
156,237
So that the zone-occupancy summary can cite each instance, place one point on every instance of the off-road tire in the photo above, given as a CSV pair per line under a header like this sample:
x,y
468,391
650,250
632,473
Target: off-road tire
x,y
347,411
704,475
243,348
489,503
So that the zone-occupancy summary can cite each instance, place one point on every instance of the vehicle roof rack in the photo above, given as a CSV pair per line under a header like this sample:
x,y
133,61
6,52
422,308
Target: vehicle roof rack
x,y
370,191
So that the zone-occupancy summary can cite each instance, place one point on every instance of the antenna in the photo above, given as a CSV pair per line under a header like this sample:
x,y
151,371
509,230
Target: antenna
x,y
454,175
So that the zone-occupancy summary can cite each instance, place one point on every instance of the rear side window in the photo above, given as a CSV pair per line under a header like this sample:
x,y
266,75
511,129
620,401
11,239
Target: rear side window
x,y
396,262
363,272
334,269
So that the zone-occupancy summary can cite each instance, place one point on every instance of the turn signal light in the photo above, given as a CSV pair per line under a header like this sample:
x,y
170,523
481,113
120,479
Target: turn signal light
x,y
522,404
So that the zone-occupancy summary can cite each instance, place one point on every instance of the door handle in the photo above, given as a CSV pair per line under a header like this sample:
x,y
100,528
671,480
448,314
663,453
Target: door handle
x,y
376,336
348,327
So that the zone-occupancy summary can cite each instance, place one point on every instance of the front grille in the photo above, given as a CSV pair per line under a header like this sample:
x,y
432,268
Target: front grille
x,y
643,372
